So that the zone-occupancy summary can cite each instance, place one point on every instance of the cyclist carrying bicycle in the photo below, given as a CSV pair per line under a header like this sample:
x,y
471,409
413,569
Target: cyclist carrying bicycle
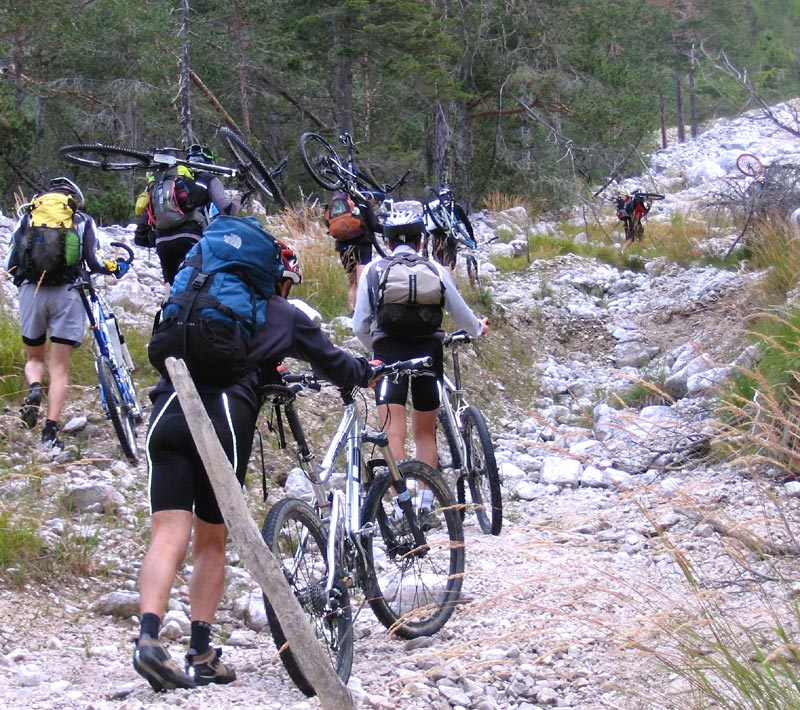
x,y
444,247
47,254
409,339
182,499
197,192
630,210
355,252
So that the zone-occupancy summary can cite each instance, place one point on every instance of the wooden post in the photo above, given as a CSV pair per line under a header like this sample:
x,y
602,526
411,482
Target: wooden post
x,y
258,558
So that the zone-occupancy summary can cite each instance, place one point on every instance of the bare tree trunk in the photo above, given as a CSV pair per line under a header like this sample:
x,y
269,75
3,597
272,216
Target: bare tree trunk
x,y
241,45
692,95
341,87
679,107
258,558
439,136
183,89
662,115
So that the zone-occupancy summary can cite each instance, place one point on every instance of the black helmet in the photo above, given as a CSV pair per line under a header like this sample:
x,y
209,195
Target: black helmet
x,y
67,187
200,154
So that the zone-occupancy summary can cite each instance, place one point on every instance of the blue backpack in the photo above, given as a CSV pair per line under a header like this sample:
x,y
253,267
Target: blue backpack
x,y
218,300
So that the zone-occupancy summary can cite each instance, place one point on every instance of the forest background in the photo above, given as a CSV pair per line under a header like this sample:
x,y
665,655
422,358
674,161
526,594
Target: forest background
x,y
532,98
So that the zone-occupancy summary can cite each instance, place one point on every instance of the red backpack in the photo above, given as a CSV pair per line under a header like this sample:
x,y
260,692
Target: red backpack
x,y
342,218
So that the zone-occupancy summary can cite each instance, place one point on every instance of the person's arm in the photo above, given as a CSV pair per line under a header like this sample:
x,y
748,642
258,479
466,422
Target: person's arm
x,y
370,219
461,214
88,233
363,312
225,204
12,260
457,307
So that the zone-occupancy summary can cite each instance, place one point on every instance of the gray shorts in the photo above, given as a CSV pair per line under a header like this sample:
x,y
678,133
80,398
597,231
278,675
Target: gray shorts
x,y
51,309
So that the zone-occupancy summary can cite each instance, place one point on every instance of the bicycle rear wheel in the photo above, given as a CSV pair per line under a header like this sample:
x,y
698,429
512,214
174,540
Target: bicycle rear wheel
x,y
117,409
106,157
482,473
321,161
749,164
294,533
413,587
257,176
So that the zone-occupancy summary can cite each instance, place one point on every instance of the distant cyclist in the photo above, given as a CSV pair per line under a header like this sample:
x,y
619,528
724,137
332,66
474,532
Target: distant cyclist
x,y
444,247
195,192
630,209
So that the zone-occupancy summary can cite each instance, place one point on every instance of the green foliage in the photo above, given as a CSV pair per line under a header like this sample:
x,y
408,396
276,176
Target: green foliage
x,y
12,355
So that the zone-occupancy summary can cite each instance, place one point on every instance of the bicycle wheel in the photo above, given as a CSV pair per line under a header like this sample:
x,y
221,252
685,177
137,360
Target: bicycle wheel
x,y
116,408
482,474
749,164
255,172
450,459
106,157
321,161
295,535
413,587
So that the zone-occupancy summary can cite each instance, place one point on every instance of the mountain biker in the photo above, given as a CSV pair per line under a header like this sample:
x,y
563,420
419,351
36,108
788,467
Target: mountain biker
x,y
443,246
627,208
206,189
181,496
356,253
403,233
47,305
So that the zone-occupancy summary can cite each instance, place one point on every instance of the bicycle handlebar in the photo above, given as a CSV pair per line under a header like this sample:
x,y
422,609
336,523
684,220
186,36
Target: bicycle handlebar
x,y
411,366
457,338
125,248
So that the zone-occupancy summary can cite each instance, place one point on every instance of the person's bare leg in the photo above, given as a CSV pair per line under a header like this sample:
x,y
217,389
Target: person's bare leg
x,y
58,369
208,577
34,363
169,538
423,425
392,418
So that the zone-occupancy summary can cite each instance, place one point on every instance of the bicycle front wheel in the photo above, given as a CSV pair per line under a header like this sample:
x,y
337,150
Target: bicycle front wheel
x,y
295,535
321,161
257,176
106,157
116,409
413,585
482,473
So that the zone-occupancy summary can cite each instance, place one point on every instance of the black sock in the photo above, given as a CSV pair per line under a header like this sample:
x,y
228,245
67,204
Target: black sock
x,y
150,625
201,637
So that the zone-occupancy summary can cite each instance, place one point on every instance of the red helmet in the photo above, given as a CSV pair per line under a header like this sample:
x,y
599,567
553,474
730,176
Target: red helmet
x,y
290,263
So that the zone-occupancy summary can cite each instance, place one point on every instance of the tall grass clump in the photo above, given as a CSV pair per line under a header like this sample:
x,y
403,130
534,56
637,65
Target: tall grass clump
x,y
777,249
12,355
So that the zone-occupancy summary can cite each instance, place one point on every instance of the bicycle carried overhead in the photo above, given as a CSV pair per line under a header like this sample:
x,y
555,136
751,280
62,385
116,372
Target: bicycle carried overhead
x,y
470,447
113,363
407,562
332,173
249,167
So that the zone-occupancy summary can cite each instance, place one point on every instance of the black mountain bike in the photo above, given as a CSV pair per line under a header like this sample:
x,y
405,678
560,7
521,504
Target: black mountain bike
x,y
249,167
113,363
332,173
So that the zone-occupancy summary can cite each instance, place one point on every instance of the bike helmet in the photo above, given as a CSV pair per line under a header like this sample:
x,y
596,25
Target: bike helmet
x,y
290,263
67,187
200,154
445,196
403,226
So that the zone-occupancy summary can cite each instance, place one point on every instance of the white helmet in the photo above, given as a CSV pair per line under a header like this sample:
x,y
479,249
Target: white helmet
x,y
403,226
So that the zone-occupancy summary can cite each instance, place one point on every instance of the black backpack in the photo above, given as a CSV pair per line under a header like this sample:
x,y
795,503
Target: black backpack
x,y
50,247
410,297
175,199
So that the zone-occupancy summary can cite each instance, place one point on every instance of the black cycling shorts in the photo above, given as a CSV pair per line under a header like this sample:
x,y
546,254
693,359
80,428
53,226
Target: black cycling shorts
x,y
178,479
424,388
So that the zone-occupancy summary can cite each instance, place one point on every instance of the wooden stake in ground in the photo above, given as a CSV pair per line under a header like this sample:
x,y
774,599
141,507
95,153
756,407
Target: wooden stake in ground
x,y
257,557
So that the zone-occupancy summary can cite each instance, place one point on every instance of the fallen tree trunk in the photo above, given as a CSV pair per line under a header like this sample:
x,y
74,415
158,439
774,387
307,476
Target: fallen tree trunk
x,y
257,557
